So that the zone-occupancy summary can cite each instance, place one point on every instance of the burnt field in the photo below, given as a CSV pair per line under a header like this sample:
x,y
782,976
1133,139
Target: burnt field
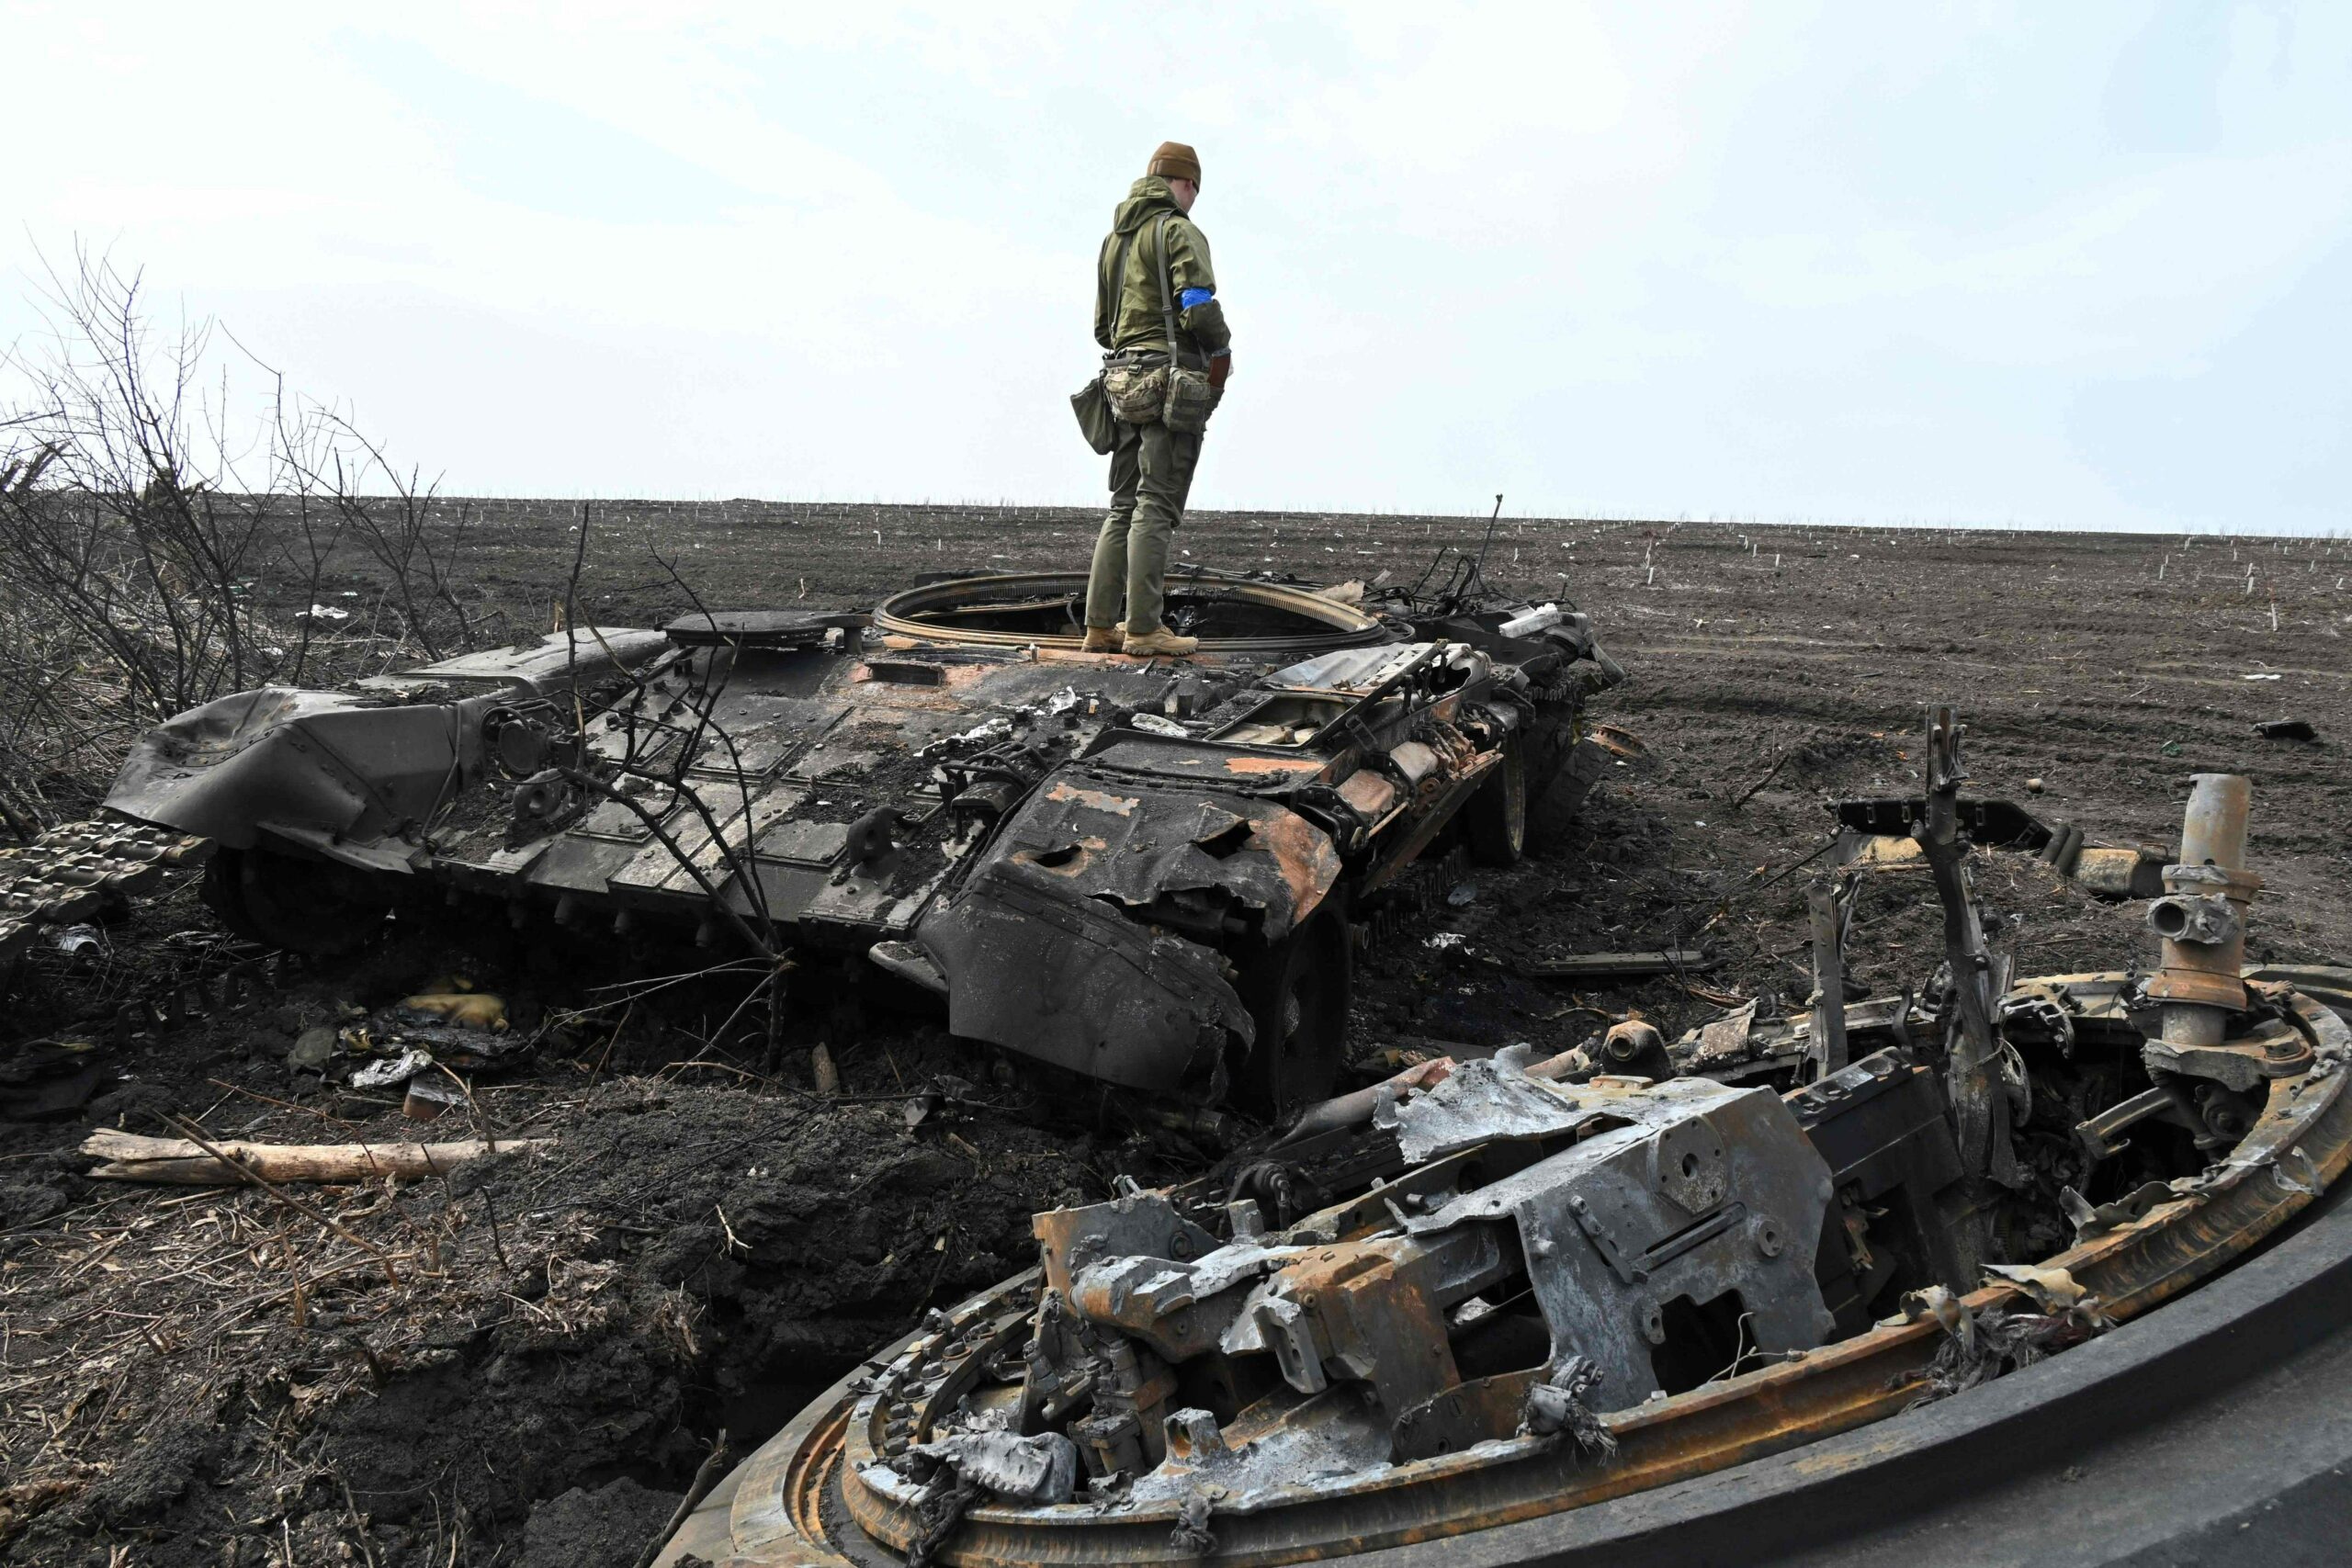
x,y
527,1360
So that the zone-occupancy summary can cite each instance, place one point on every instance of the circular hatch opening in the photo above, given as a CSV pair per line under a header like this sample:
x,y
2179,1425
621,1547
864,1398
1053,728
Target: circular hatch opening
x,y
1230,615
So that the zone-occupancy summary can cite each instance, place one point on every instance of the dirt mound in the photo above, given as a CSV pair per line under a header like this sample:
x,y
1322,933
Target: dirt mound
x,y
397,1374
595,1530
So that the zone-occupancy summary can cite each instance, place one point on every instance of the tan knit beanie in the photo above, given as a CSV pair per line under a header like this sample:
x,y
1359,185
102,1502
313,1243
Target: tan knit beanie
x,y
1175,161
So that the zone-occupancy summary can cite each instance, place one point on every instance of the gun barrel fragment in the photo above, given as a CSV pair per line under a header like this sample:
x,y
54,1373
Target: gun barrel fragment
x,y
2201,916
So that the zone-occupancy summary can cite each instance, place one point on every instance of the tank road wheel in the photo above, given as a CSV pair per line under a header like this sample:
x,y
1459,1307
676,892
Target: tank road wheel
x,y
1559,799
1493,820
1297,992
313,907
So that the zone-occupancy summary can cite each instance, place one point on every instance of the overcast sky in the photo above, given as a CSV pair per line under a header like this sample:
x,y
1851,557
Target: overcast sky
x,y
2061,265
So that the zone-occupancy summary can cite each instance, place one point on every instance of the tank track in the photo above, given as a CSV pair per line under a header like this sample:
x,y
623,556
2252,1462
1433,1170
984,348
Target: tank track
x,y
73,870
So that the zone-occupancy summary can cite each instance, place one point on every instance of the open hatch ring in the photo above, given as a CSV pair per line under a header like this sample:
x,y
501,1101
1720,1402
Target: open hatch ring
x,y
1276,619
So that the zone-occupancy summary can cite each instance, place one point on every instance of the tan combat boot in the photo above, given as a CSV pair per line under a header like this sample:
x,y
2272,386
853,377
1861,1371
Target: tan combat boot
x,y
1104,639
1158,644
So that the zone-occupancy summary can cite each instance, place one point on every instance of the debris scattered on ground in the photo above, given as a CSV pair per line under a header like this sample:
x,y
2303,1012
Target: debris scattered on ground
x,y
2286,730
1619,965
77,941
392,1070
44,1078
429,1096
456,1004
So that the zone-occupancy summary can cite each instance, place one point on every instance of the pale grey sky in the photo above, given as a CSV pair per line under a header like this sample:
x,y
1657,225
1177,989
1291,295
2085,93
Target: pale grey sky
x,y
2072,265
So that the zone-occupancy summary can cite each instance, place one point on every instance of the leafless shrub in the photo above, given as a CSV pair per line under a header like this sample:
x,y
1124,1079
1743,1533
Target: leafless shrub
x,y
164,544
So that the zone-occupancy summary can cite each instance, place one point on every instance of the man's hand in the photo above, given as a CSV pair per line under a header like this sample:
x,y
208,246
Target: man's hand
x,y
1219,368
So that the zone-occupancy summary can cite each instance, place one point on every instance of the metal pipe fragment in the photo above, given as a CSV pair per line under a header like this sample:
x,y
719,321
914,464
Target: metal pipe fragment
x,y
2201,916
1827,1043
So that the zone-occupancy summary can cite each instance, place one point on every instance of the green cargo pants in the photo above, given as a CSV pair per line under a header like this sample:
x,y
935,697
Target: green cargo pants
x,y
1151,473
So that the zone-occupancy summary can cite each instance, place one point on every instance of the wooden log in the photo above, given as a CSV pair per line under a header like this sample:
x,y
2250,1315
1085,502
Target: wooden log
x,y
131,1157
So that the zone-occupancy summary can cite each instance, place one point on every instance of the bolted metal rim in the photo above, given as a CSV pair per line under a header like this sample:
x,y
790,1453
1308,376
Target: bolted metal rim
x,y
1336,625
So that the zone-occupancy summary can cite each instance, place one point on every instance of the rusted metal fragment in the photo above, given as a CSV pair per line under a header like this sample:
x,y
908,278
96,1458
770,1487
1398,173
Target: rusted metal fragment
x,y
1368,793
1271,767
1725,1039
1042,1468
1707,1192
1066,980
1137,1222
1619,966
1463,1416
1878,835
1480,1101
2118,874
1100,800
1276,1448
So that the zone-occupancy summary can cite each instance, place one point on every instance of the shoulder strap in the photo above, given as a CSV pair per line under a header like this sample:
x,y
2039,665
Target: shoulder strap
x,y
1167,300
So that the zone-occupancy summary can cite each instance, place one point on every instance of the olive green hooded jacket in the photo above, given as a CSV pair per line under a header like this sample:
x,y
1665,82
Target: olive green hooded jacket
x,y
1126,308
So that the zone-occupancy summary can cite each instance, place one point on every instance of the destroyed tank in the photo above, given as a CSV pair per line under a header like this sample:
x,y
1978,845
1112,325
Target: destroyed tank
x,y
1141,871
1454,1316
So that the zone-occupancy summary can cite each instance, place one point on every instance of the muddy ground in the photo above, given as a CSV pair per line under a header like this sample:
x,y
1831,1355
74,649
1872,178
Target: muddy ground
x,y
525,1362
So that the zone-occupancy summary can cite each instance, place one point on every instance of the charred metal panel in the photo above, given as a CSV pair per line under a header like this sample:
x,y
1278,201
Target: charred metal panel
x,y
1069,1239
332,764
1707,1192
761,629
1140,847
1066,980
551,664
1232,767
1879,1125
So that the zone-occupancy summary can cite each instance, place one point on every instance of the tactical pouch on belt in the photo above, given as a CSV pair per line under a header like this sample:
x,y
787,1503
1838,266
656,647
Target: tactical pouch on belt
x,y
1135,393
1190,400
1095,422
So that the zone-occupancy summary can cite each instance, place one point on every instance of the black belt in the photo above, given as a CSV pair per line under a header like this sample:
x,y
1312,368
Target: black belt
x,y
1149,357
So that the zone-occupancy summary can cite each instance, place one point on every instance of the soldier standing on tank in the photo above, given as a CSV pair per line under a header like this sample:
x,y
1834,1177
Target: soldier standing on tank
x,y
1151,466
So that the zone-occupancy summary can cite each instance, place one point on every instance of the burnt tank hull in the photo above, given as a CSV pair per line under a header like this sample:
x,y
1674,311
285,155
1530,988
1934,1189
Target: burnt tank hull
x,y
1131,869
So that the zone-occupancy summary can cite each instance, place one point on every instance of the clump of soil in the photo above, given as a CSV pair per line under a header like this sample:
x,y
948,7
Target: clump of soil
x,y
381,1374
